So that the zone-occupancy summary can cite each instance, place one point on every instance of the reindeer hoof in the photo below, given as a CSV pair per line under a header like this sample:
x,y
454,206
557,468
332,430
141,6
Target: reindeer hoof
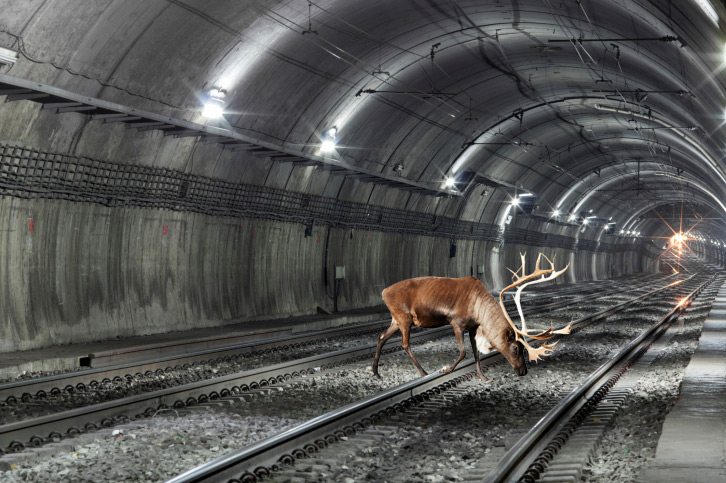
x,y
484,380
377,376
446,370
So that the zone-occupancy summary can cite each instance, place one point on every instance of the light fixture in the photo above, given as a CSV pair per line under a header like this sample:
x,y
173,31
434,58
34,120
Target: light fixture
x,y
328,144
585,221
515,202
214,107
8,56
555,213
450,182
572,217
524,195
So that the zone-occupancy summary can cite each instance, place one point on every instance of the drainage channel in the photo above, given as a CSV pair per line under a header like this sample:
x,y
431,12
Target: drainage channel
x,y
581,416
270,455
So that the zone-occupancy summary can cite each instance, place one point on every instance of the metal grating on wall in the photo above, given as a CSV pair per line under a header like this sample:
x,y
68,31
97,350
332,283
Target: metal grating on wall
x,y
33,174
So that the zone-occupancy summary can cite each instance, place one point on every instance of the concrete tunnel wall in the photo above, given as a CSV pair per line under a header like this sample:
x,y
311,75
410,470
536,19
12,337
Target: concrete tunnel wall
x,y
83,272
75,272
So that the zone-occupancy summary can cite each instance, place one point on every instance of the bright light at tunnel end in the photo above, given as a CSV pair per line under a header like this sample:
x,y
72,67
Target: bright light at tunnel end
x,y
678,239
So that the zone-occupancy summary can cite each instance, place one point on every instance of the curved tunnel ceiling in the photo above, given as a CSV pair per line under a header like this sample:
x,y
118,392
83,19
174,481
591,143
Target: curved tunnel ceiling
x,y
563,99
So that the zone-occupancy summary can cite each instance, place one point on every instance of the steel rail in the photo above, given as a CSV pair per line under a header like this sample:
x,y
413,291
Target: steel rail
x,y
13,434
516,461
58,382
267,452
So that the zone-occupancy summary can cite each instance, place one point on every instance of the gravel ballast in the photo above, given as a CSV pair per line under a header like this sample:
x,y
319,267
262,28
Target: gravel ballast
x,y
469,433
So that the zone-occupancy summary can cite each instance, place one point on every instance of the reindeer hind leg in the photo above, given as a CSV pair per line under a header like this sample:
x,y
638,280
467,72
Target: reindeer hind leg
x,y
459,333
385,335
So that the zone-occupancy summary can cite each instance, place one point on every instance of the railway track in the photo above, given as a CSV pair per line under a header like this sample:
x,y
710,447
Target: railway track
x,y
364,422
41,387
16,436
582,415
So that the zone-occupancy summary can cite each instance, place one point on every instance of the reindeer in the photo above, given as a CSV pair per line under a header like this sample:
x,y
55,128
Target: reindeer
x,y
467,305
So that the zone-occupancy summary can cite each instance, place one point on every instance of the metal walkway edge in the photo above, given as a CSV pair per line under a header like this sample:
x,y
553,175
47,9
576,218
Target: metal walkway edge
x,y
62,101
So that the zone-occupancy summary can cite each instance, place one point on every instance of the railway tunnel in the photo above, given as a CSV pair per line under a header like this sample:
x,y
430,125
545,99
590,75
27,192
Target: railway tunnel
x,y
179,176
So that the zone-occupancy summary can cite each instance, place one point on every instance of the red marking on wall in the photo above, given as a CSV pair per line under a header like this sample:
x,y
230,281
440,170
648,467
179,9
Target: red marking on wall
x,y
31,225
165,230
318,240
254,233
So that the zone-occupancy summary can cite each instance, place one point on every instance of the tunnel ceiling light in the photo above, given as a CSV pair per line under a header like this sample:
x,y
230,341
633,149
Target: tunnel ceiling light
x,y
214,107
556,213
450,182
585,221
328,144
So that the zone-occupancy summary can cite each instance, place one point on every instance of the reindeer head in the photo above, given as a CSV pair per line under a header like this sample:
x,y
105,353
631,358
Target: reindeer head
x,y
514,353
507,344
520,281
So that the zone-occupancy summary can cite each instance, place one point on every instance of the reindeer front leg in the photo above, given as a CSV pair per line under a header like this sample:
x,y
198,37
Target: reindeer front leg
x,y
472,339
459,333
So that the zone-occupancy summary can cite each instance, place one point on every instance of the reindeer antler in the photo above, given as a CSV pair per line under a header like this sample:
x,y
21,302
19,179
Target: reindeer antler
x,y
521,282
